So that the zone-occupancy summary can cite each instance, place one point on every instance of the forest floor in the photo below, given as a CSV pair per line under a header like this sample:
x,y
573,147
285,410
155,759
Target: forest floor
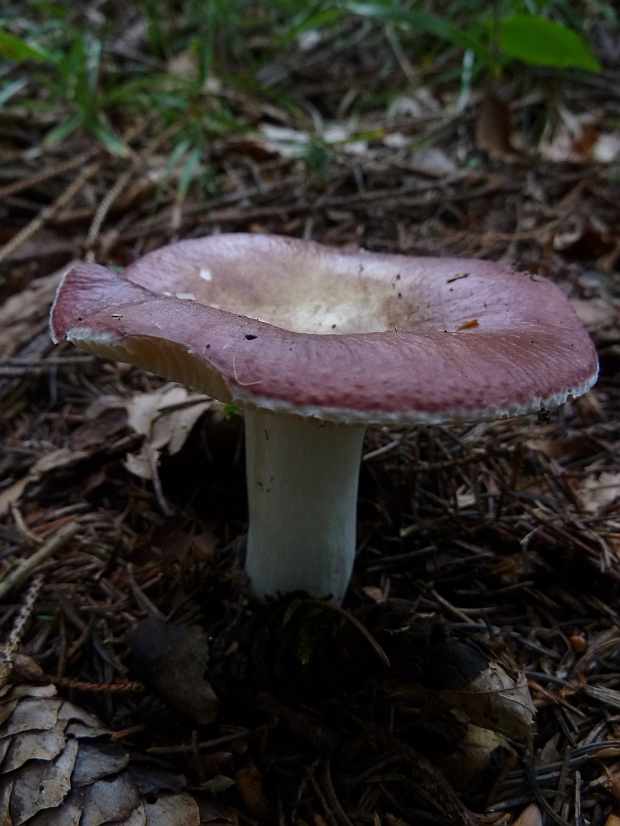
x,y
509,531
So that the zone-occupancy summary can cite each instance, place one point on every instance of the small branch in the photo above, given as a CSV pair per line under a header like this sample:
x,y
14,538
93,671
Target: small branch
x,y
54,544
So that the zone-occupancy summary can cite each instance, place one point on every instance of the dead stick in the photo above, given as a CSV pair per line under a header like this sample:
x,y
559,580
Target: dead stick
x,y
45,175
50,211
51,546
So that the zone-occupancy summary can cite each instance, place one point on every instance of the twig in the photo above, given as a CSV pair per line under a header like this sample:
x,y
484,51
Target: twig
x,y
332,796
9,648
360,627
54,544
22,618
530,773
98,688
50,211
206,744
141,598
121,183
45,174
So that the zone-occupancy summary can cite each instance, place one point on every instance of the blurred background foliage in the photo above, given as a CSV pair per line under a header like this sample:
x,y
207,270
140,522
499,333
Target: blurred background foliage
x,y
86,66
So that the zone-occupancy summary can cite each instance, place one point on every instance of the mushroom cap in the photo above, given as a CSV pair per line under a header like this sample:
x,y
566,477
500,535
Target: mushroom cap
x,y
296,327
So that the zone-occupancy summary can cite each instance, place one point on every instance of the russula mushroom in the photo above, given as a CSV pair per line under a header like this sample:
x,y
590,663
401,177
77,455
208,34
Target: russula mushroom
x,y
316,344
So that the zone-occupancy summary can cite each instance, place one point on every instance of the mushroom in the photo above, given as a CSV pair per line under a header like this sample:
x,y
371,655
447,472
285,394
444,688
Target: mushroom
x,y
315,344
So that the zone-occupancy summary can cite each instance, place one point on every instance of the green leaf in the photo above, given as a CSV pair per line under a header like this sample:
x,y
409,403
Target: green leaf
x,y
324,17
232,411
175,156
15,49
544,43
427,22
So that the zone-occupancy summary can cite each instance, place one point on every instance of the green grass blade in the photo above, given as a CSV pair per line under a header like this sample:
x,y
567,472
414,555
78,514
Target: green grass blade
x,y
7,92
189,171
108,138
64,129
15,49
427,22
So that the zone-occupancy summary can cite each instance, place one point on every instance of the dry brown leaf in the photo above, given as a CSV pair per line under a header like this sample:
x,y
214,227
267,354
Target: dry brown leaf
x,y
42,784
433,161
211,812
109,800
599,491
531,816
89,780
479,749
31,745
596,313
183,64
551,448
174,658
494,700
136,818
88,439
493,127
21,313
178,809
249,782
577,137
96,761
374,593
607,148
32,713
165,417
10,496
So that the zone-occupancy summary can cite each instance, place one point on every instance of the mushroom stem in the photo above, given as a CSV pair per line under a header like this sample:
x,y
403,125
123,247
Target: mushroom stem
x,y
302,490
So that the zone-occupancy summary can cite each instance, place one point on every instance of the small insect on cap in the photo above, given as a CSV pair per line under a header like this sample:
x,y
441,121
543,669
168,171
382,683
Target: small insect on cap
x,y
292,326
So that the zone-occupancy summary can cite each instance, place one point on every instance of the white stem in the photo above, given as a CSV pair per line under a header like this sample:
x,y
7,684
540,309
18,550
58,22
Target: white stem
x,y
302,490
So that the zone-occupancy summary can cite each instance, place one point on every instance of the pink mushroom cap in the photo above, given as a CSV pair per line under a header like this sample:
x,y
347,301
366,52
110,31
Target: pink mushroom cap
x,y
296,327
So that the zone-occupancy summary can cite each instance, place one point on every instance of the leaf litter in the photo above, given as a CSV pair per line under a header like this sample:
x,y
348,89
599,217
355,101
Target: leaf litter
x,y
500,540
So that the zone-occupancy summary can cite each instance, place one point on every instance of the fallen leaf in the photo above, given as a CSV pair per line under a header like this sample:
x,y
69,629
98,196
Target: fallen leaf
x,y
20,313
551,448
109,800
96,761
249,782
165,417
584,144
11,495
33,714
43,784
494,700
598,492
211,812
433,161
375,594
530,816
596,313
492,131
183,64
172,810
480,751
218,784
607,148
174,658
35,745
416,105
